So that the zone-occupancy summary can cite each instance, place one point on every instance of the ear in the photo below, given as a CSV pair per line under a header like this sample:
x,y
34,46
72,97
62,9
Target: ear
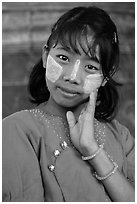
x,y
44,55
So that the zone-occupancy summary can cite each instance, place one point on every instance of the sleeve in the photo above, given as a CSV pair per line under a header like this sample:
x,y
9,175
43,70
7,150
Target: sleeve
x,y
19,175
129,149
10,168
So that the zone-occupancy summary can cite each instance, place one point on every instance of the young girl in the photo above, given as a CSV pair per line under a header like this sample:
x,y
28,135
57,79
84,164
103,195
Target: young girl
x,y
70,148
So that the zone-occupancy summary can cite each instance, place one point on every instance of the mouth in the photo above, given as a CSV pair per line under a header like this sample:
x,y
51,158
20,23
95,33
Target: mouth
x,y
67,92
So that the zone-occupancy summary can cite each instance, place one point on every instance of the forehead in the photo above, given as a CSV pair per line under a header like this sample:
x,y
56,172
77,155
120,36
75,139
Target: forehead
x,y
78,38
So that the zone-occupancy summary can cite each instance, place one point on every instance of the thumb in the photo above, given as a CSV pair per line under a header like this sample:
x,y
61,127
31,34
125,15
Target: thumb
x,y
71,120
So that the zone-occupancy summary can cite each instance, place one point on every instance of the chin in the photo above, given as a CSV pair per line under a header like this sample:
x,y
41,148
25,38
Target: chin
x,y
71,104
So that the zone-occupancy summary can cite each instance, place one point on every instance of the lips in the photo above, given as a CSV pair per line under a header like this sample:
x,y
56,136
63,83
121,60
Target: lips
x,y
69,91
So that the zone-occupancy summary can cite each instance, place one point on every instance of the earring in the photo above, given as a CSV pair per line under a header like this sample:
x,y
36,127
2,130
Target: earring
x,y
104,81
114,40
45,47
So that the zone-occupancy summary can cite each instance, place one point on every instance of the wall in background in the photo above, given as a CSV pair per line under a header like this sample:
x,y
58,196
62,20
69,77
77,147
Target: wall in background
x,y
26,27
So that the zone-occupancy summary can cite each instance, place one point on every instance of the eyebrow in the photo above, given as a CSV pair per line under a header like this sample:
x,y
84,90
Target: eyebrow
x,y
67,49
93,58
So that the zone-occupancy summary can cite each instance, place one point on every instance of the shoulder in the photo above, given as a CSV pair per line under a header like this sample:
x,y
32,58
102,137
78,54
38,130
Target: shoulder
x,y
122,134
23,119
20,128
116,125
120,128
13,121
17,117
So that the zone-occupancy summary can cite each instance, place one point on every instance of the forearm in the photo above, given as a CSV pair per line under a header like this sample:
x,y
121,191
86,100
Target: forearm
x,y
117,186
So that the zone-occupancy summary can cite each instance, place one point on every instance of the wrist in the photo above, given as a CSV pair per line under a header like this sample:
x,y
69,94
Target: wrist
x,y
102,163
89,149
100,148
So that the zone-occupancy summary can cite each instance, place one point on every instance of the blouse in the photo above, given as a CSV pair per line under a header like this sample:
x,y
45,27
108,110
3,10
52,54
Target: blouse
x,y
40,164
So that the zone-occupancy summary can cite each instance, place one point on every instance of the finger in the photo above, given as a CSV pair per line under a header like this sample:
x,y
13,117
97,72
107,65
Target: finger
x,y
88,123
92,102
80,118
73,129
71,119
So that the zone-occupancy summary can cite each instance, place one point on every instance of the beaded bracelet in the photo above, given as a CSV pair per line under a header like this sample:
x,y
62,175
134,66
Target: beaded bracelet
x,y
101,178
95,154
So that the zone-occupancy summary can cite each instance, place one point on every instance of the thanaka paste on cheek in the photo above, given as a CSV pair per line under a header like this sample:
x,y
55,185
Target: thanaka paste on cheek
x,y
53,69
92,82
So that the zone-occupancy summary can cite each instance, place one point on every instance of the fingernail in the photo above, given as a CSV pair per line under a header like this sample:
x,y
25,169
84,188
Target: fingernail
x,y
68,114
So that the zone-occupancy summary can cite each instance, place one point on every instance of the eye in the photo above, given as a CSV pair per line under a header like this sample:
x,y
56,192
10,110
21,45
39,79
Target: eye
x,y
91,68
63,58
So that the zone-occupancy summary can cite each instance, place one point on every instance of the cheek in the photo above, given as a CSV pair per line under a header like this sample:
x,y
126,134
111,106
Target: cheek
x,y
53,70
92,82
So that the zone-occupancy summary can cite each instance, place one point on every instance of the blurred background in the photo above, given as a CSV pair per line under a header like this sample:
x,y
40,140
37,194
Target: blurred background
x,y
26,27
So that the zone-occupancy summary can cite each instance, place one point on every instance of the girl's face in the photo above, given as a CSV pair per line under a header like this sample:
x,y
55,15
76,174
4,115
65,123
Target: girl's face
x,y
71,77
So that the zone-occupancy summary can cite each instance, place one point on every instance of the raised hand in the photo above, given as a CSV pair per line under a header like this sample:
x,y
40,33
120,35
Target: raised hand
x,y
82,132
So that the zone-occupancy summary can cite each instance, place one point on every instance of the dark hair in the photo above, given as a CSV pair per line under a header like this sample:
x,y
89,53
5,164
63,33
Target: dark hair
x,y
70,29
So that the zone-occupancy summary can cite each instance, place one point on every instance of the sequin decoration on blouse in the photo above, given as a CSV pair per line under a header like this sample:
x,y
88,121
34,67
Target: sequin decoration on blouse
x,y
64,145
51,168
49,119
99,128
56,153
99,133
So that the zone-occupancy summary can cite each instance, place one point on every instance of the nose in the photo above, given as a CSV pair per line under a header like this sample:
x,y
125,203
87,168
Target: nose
x,y
73,74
